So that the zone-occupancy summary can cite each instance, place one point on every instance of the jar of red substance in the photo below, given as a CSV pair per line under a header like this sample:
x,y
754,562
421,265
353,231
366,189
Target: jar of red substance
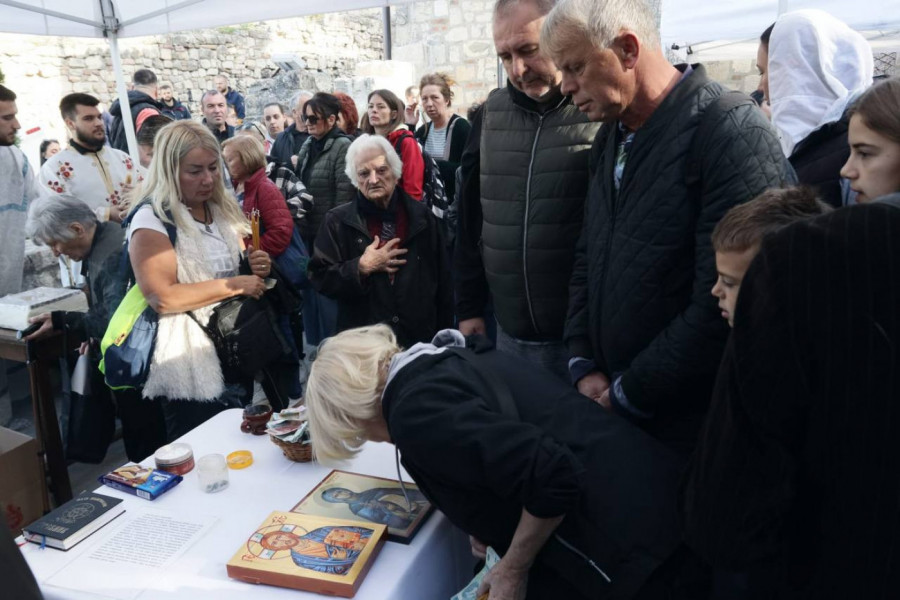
x,y
177,459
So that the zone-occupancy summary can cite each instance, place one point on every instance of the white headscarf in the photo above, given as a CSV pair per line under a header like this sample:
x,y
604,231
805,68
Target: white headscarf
x,y
817,66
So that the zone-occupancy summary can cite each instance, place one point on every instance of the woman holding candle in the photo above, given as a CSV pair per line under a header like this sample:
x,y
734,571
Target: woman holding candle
x,y
186,203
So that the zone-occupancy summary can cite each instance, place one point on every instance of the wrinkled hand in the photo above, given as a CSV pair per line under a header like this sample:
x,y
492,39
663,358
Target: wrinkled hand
x,y
504,583
247,285
472,326
479,548
45,329
260,262
596,387
386,258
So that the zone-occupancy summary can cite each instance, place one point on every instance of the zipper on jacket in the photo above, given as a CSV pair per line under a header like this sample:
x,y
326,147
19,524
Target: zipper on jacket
x,y
537,136
584,557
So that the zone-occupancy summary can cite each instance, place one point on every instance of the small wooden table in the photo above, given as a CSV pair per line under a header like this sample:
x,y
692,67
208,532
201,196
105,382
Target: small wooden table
x,y
37,356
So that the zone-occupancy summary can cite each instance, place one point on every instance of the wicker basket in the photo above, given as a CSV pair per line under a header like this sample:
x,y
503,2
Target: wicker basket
x,y
295,451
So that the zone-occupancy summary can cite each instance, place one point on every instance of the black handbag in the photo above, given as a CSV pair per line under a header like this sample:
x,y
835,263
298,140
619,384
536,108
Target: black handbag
x,y
246,336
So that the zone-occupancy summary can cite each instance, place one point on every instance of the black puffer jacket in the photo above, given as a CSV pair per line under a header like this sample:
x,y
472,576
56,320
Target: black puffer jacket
x,y
818,159
640,303
138,101
416,305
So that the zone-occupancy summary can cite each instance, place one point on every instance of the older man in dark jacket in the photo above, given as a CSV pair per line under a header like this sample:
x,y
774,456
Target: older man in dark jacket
x,y
678,151
382,256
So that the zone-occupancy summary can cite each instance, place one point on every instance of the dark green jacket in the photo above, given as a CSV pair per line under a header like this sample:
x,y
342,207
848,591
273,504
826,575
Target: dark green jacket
x,y
326,180
533,178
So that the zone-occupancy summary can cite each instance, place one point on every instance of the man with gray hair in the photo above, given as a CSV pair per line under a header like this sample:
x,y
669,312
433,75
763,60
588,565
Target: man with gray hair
x,y
677,152
525,176
382,257
289,141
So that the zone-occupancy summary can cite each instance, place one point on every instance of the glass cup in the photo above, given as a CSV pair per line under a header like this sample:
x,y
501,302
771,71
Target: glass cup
x,y
212,472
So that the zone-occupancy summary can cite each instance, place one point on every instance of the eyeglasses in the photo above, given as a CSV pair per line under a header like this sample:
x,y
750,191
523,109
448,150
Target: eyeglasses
x,y
311,119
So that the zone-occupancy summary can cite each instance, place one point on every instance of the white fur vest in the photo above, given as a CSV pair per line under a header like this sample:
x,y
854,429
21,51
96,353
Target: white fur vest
x,y
185,365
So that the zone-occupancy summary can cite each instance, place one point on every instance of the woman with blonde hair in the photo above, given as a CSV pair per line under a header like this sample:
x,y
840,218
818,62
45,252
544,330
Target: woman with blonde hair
x,y
185,243
445,136
578,502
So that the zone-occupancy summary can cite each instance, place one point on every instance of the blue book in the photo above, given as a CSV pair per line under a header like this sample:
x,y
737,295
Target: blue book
x,y
143,482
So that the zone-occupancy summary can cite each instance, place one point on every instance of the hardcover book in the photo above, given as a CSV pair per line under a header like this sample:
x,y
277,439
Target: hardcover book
x,y
303,552
16,309
343,495
143,482
74,521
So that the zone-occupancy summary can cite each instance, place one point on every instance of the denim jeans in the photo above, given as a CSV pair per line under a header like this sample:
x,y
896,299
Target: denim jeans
x,y
319,317
552,356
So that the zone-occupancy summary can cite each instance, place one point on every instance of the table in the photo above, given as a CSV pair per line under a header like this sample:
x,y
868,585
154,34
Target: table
x,y
435,565
37,355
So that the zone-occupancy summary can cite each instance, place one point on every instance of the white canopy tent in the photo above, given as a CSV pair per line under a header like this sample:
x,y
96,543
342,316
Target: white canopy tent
x,y
113,19
683,22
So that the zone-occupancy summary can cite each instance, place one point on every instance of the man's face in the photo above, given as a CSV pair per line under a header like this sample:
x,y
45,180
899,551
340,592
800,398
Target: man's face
x,y
297,113
87,127
215,110
732,266
9,124
221,84
145,154
600,83
517,35
165,94
76,248
375,177
274,119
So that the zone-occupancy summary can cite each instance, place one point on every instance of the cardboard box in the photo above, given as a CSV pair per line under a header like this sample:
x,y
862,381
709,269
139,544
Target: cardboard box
x,y
21,479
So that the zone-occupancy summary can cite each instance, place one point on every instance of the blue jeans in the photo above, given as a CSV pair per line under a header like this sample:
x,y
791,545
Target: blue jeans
x,y
552,356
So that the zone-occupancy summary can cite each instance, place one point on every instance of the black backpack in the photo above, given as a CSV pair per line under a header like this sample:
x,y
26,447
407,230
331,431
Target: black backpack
x,y
434,196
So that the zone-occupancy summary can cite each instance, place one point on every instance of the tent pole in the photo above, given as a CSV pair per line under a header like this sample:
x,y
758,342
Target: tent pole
x,y
113,39
386,27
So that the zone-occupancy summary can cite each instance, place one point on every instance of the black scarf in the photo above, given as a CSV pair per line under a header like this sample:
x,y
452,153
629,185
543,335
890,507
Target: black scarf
x,y
387,216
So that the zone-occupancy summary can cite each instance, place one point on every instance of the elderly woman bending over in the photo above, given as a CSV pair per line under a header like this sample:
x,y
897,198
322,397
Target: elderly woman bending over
x,y
382,256
184,190
578,502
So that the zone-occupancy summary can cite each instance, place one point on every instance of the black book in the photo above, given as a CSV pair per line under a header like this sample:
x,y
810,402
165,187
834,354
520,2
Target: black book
x,y
74,521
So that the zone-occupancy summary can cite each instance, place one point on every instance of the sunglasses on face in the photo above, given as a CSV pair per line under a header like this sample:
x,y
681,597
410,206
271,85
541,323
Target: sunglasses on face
x,y
311,119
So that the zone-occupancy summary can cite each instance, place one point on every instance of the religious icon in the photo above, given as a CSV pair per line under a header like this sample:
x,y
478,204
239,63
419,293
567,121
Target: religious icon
x,y
369,499
310,553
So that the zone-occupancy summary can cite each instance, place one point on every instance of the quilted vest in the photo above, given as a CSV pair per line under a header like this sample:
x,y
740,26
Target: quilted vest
x,y
534,179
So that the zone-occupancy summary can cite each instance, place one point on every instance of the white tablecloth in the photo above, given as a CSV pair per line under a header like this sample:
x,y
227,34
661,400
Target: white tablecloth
x,y
435,565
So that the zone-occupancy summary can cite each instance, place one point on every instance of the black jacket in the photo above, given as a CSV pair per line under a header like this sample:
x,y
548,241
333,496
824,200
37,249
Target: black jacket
x,y
795,475
525,177
818,159
456,142
563,455
640,303
287,144
177,111
138,102
419,301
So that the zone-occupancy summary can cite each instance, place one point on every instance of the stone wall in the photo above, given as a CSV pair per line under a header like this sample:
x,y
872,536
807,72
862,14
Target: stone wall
x,y
43,69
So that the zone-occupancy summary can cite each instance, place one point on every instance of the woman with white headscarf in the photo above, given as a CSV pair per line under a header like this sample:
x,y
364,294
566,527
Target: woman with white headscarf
x,y
817,67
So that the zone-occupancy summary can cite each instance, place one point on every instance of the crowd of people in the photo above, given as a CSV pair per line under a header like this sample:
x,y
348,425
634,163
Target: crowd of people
x,y
635,331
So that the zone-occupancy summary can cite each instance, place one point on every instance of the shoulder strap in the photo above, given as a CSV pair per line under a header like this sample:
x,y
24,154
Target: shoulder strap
x,y
500,390
709,120
125,267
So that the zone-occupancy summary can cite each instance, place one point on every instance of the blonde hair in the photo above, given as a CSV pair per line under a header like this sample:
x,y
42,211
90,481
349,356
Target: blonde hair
x,y
344,389
250,150
162,186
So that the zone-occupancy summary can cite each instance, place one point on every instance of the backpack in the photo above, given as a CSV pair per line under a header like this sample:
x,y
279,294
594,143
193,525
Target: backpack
x,y
434,196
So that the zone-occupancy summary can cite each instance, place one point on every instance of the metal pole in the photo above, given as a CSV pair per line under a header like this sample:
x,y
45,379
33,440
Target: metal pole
x,y
123,95
386,26
501,74
783,6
